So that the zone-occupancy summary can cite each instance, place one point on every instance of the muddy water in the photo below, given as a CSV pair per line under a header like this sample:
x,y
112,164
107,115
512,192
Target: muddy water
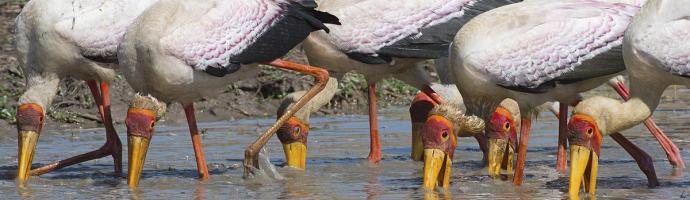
x,y
337,166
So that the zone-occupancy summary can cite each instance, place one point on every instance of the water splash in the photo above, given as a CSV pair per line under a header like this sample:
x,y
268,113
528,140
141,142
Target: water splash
x,y
266,169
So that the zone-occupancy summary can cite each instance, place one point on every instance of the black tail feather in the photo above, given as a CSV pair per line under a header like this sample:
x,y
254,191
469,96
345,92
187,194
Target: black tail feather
x,y
326,18
314,17
307,3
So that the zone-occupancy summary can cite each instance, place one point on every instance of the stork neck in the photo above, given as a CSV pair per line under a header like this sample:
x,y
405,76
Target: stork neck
x,y
643,101
321,99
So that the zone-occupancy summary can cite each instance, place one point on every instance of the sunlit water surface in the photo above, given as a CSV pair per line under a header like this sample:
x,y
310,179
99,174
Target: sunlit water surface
x,y
337,165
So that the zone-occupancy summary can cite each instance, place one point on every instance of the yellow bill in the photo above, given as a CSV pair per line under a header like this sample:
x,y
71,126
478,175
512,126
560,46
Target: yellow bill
x,y
417,145
27,147
583,171
138,146
437,169
296,155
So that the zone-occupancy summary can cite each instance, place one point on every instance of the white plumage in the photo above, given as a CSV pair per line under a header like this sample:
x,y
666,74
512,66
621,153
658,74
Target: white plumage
x,y
667,41
530,48
223,30
97,26
366,29
512,51
70,38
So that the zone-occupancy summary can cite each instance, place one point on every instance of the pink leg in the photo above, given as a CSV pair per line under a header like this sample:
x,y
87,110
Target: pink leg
x,y
375,149
672,151
525,127
644,161
561,160
112,146
196,142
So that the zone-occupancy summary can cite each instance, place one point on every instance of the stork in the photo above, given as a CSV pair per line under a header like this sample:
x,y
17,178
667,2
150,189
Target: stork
x,y
656,51
183,50
380,39
549,51
69,38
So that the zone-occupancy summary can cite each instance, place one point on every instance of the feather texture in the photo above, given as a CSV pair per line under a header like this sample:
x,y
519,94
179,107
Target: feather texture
x,y
98,26
225,30
540,42
228,33
668,42
366,30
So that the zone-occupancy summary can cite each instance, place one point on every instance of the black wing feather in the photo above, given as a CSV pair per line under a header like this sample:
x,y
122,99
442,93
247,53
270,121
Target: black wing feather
x,y
435,40
297,23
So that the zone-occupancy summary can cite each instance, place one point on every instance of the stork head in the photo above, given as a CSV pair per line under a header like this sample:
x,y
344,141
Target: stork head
x,y
502,134
585,143
439,136
143,113
30,119
293,135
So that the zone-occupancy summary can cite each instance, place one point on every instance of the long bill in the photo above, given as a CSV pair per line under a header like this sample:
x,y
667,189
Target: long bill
x,y
296,155
583,170
437,169
417,144
138,146
27,147
500,157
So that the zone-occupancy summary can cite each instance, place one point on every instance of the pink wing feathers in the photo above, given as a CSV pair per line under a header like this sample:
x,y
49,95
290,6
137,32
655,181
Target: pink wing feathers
x,y
365,29
570,33
222,32
98,26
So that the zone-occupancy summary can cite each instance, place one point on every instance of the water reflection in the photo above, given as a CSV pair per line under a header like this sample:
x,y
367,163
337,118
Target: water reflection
x,y
434,195
372,187
200,191
296,187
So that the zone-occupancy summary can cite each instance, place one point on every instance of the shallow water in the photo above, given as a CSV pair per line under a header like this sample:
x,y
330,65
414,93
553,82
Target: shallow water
x,y
337,165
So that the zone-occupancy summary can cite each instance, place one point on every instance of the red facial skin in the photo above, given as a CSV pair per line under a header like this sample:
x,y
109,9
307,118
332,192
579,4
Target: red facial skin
x,y
437,133
30,117
502,126
583,131
420,108
140,122
294,130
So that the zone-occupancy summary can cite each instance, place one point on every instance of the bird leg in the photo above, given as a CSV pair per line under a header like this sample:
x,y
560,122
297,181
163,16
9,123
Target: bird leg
x,y
320,78
525,127
561,161
196,142
644,161
112,145
375,145
672,151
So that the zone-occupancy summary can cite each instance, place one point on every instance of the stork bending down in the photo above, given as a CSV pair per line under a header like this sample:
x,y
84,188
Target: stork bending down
x,y
183,50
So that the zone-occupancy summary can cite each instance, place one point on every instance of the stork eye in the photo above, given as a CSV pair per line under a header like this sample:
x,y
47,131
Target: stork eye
x,y
297,130
151,126
506,126
590,131
444,135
